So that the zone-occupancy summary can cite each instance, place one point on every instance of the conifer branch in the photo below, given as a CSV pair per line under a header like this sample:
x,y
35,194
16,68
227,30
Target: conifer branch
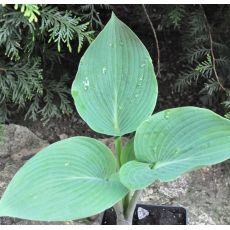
x,y
212,51
2,69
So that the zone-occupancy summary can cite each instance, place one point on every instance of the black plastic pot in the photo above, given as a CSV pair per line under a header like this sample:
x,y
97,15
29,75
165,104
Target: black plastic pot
x,y
151,215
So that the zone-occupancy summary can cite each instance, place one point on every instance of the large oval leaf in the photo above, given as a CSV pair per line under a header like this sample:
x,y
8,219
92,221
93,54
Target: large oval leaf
x,y
175,141
70,179
115,87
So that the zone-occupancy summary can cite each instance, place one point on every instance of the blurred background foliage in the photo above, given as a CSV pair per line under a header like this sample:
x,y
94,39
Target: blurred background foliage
x,y
41,45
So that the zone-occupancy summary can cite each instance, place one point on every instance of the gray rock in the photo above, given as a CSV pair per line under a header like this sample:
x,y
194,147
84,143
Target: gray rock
x,y
19,145
204,193
63,136
19,142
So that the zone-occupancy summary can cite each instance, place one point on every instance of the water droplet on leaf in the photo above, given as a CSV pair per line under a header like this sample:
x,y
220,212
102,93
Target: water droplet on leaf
x,y
67,163
166,115
104,70
148,120
177,151
86,83
143,65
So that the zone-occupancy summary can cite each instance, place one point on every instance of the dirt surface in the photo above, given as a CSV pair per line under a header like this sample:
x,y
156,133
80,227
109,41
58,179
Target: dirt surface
x,y
109,217
57,129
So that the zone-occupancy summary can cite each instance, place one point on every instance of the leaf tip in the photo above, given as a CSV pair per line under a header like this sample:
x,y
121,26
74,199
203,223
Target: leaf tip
x,y
113,16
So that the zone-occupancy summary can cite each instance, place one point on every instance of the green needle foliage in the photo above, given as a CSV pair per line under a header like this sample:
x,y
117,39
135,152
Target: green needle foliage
x,y
33,39
205,59
63,27
29,10
79,177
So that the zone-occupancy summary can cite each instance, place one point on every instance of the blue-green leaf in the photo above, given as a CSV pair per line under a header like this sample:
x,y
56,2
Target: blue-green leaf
x,y
175,141
71,179
115,88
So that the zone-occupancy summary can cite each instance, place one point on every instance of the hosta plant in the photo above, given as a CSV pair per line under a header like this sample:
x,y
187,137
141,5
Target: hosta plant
x,y
115,92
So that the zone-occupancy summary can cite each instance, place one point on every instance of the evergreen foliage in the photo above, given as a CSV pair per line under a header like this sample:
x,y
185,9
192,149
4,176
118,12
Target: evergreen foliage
x,y
205,56
33,39
29,10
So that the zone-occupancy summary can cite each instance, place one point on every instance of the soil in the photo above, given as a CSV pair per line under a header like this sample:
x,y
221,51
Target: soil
x,y
156,215
109,217
58,128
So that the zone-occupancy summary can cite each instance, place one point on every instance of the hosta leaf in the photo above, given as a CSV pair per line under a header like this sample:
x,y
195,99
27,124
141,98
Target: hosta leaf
x,y
115,87
70,179
175,141
127,153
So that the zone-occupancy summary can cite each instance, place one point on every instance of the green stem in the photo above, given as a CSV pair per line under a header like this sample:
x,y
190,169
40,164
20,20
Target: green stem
x,y
118,146
128,213
120,214
126,201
